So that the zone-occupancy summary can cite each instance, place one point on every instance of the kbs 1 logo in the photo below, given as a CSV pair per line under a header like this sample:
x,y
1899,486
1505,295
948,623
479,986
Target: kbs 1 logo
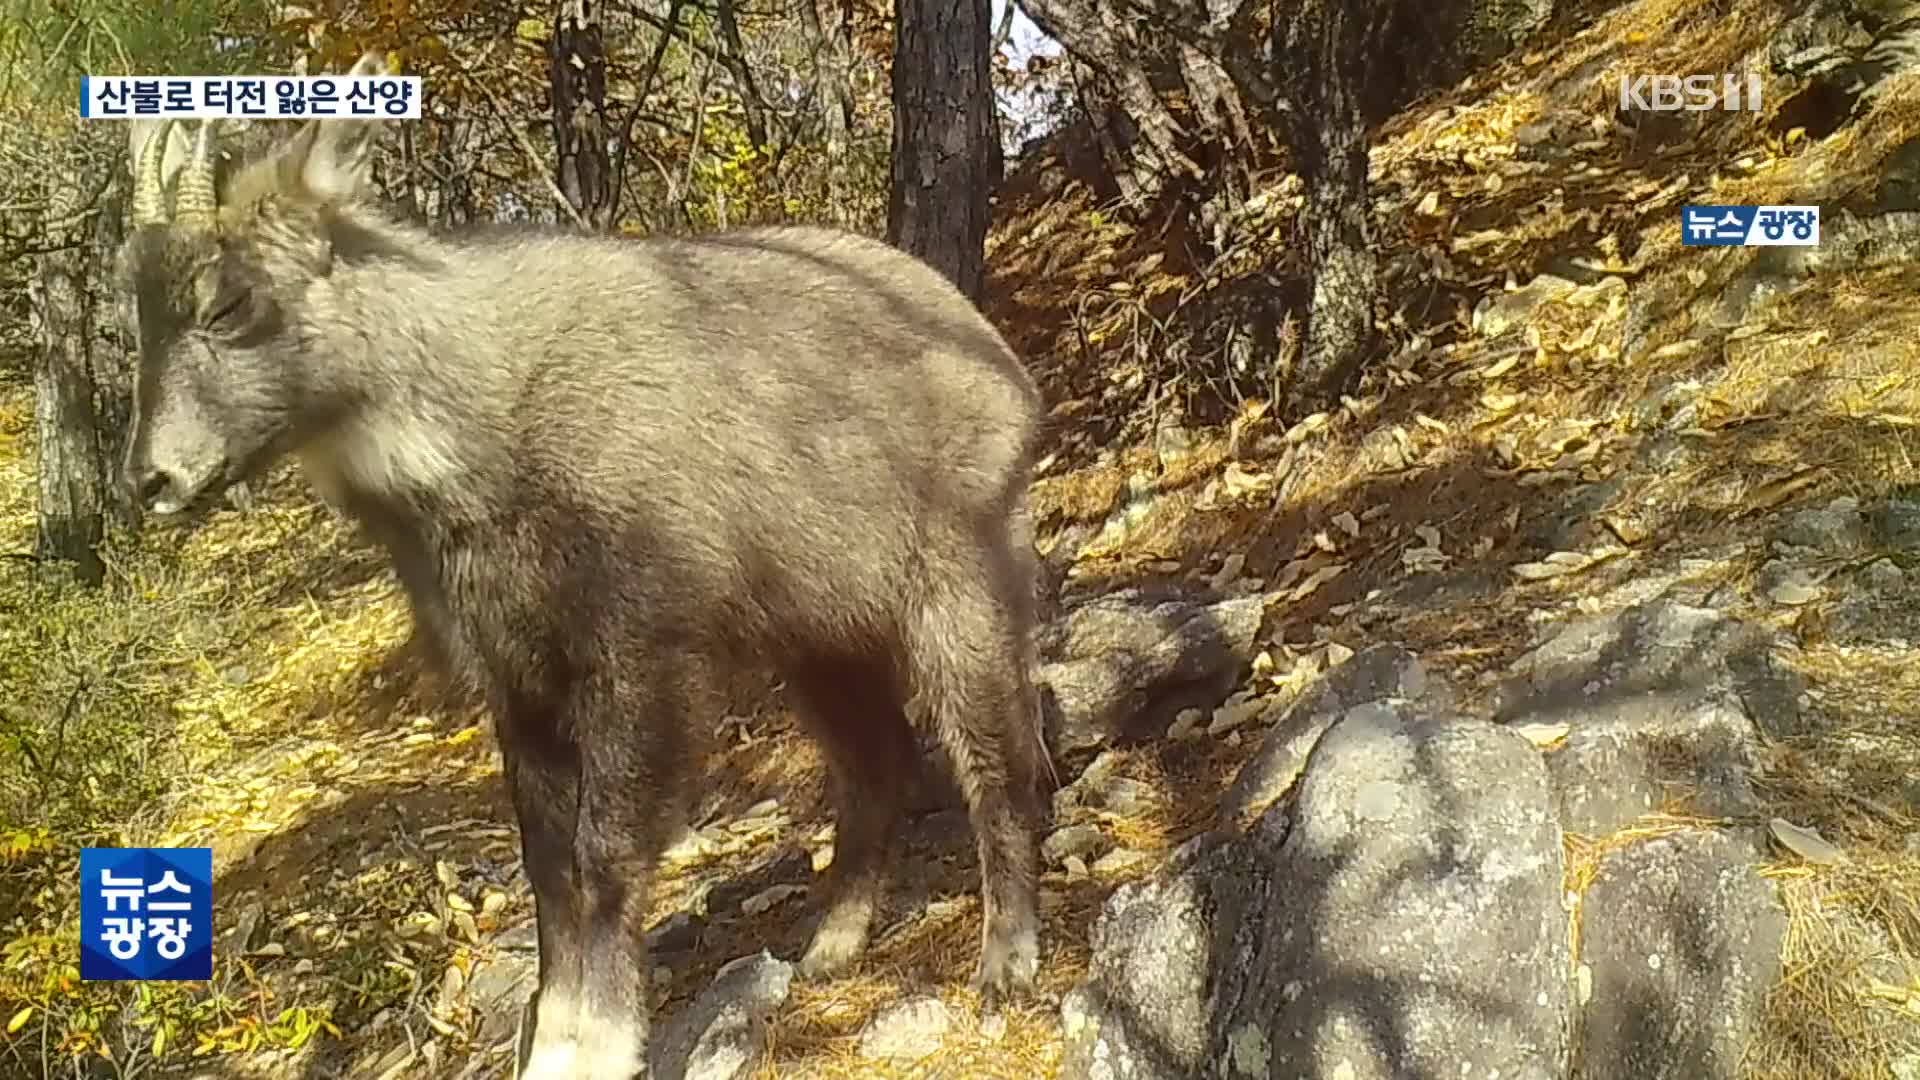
x,y
146,913
261,97
1690,93
1750,226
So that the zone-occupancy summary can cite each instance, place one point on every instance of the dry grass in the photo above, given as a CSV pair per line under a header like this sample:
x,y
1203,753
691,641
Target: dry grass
x,y
1850,992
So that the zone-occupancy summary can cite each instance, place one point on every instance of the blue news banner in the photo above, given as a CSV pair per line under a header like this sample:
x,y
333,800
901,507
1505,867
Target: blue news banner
x,y
1750,226
265,97
146,913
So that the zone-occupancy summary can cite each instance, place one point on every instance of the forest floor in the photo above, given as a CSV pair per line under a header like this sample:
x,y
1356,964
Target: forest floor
x,y
359,823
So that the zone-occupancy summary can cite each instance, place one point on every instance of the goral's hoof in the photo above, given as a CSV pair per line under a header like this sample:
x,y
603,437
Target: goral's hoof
x,y
831,953
1008,966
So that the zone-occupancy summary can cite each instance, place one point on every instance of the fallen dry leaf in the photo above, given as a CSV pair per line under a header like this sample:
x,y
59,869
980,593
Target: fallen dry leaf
x,y
1805,842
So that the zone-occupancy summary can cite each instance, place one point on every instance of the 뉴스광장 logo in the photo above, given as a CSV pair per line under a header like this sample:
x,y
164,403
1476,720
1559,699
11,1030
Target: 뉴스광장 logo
x,y
1750,226
1690,93
146,913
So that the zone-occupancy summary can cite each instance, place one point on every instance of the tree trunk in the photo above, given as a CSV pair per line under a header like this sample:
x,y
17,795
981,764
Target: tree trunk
x,y
112,350
1319,61
580,129
73,476
734,56
943,132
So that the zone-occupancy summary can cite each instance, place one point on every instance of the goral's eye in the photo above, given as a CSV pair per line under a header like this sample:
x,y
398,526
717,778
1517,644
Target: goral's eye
x,y
225,307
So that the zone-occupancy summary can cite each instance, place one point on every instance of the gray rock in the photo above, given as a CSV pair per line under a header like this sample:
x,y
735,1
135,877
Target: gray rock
x,y
1896,523
789,867
1787,584
1143,1012
1833,527
1885,621
1664,401
1647,308
1075,840
1657,701
1424,933
906,1031
718,1035
1117,663
1900,181
1883,575
677,932
1507,312
1122,795
1405,921
1616,766
1849,242
1654,664
1683,939
500,989
1373,674
1097,788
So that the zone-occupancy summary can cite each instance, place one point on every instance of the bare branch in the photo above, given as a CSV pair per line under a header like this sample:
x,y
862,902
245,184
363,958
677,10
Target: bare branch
x,y
735,59
1001,34
639,99
682,34
1232,41
126,60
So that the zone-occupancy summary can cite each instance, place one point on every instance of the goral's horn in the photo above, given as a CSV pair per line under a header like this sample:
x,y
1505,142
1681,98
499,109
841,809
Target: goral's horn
x,y
193,201
149,198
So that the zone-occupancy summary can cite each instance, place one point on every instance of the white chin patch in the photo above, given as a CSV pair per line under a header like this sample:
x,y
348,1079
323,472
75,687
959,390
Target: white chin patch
x,y
168,507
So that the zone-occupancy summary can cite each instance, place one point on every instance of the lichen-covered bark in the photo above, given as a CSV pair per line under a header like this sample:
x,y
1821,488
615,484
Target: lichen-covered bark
x,y
1321,55
73,471
579,92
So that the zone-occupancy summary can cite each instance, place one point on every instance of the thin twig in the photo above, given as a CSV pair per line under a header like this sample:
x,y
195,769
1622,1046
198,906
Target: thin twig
x,y
639,100
693,145
126,60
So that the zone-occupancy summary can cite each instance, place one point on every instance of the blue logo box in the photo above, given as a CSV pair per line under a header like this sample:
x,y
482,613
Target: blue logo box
x,y
1750,226
146,913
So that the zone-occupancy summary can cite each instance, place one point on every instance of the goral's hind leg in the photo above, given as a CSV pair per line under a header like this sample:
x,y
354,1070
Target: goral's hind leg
x,y
968,652
854,713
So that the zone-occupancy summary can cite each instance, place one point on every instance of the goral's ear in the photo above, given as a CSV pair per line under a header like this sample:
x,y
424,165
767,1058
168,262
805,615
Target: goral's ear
x,y
331,160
